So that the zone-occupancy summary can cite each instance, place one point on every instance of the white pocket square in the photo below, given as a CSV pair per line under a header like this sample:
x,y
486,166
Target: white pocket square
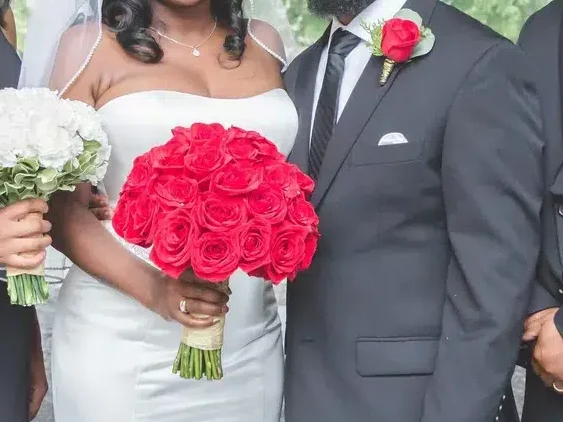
x,y
393,139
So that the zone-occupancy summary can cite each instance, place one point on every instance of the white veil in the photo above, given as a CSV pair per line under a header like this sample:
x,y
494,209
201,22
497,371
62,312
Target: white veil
x,y
79,23
63,36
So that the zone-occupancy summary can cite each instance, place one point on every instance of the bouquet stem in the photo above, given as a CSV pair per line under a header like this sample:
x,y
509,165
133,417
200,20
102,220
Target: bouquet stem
x,y
27,288
199,354
192,363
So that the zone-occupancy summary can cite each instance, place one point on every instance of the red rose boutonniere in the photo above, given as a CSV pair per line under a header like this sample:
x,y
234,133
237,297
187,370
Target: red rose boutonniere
x,y
399,40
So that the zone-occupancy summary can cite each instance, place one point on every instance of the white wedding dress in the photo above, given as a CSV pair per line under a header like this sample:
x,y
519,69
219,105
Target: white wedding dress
x,y
112,357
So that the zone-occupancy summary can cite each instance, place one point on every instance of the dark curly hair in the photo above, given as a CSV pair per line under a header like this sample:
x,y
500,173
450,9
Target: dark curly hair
x,y
4,6
130,21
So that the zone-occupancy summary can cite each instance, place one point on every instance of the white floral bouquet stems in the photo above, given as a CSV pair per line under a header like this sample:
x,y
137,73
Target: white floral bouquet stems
x,y
47,144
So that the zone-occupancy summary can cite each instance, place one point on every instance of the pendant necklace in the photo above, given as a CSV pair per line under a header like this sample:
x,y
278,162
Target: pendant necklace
x,y
195,48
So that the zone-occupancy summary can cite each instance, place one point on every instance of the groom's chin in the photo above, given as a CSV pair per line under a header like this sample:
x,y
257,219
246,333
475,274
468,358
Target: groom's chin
x,y
330,8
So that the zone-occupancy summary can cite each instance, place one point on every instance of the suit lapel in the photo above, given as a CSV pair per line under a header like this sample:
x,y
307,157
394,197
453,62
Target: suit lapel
x,y
304,96
363,103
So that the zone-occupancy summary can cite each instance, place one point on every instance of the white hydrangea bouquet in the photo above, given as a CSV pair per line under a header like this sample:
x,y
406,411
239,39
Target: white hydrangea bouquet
x,y
47,144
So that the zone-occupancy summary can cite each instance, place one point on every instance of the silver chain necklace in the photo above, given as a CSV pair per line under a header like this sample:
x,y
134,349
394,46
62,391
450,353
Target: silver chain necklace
x,y
195,48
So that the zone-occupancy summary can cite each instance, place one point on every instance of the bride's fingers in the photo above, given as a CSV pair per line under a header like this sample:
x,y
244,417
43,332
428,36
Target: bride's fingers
x,y
202,293
204,308
192,321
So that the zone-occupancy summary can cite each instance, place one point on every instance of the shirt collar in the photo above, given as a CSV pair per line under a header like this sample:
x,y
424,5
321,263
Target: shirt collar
x,y
379,10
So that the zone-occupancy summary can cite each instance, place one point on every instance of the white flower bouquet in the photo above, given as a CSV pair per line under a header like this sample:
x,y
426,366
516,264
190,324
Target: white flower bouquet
x,y
47,144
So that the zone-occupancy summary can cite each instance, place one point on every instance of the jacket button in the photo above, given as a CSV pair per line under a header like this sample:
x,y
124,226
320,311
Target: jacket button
x,y
560,210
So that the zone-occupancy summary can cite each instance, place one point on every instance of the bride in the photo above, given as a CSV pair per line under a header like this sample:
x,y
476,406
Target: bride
x,y
148,66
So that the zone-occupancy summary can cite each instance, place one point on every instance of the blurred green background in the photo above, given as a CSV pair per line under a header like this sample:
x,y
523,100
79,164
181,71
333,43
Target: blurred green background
x,y
504,16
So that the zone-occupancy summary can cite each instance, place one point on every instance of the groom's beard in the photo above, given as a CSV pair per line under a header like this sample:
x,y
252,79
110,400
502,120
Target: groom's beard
x,y
338,8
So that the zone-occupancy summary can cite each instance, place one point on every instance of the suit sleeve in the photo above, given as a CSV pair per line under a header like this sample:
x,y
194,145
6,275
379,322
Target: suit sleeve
x,y
528,41
492,190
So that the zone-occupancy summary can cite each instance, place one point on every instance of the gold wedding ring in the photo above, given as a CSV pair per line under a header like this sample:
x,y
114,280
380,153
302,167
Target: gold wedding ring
x,y
557,389
183,307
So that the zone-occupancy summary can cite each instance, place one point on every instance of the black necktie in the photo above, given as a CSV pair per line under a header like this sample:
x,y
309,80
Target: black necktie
x,y
342,44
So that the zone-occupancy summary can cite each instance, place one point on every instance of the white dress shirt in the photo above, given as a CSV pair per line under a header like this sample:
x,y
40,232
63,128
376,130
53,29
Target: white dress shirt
x,y
379,10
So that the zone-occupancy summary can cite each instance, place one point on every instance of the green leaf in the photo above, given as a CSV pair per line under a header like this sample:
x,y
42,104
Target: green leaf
x,y
410,15
375,32
425,45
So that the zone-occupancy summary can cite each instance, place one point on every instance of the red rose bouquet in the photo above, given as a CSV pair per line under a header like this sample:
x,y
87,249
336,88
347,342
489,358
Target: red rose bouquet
x,y
214,200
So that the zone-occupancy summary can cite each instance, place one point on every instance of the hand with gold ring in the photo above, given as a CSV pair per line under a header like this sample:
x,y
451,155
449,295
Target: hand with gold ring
x,y
183,307
548,355
186,299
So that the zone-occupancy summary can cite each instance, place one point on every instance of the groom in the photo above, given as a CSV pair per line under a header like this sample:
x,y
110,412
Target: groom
x,y
428,190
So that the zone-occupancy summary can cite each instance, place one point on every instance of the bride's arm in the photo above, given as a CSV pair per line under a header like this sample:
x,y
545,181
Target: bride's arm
x,y
78,234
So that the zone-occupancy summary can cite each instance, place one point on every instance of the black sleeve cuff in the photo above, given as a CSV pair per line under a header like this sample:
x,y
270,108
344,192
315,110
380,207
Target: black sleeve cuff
x,y
559,320
541,299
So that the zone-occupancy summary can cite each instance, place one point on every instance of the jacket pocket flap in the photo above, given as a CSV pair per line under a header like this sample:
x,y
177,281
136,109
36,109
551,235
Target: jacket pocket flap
x,y
396,356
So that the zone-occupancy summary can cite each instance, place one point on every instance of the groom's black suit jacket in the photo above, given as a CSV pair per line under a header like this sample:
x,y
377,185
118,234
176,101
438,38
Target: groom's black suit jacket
x,y
412,310
16,323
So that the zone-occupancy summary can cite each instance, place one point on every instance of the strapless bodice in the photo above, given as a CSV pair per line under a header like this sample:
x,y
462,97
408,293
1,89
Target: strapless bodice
x,y
139,121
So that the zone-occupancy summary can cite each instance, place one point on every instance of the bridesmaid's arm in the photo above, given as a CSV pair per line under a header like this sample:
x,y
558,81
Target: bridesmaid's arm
x,y
9,28
38,382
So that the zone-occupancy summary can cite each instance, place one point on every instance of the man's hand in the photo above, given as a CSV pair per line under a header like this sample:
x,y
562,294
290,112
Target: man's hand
x,y
38,383
548,355
23,238
99,206
535,322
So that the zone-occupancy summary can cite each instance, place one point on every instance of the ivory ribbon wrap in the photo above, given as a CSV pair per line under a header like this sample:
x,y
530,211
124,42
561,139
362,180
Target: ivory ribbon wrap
x,y
40,270
204,338
13,272
210,338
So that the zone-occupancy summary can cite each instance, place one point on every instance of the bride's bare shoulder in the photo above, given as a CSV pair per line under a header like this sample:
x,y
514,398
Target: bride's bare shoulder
x,y
265,36
86,54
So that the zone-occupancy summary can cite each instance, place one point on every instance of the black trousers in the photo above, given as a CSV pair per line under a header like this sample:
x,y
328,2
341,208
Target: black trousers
x,y
16,325
541,404
508,412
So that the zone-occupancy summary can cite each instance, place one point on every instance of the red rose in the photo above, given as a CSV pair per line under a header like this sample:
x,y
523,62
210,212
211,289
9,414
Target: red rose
x,y
140,174
284,176
207,133
267,202
311,243
257,146
306,184
215,256
134,219
287,249
183,135
172,192
240,149
302,212
121,217
221,213
399,38
254,239
169,158
200,134
236,179
202,161
173,242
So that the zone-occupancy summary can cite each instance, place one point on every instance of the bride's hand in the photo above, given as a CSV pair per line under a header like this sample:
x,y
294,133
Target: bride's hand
x,y
201,299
